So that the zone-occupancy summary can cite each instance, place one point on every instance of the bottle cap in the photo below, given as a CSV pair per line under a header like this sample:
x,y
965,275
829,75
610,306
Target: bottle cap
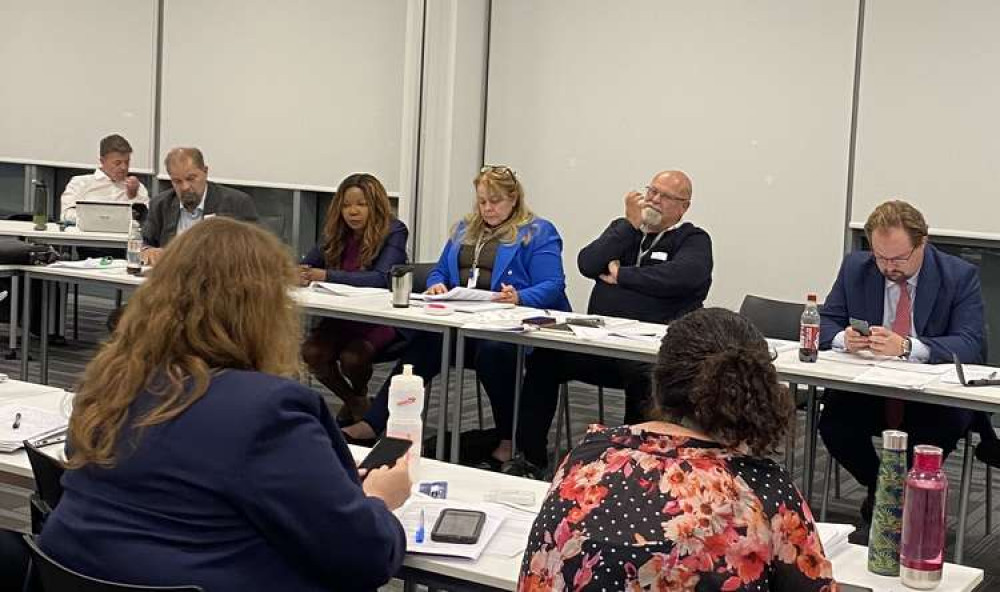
x,y
811,297
893,440
927,458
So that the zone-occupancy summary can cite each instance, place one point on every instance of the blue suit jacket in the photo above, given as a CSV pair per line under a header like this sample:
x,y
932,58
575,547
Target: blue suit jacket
x,y
251,488
947,310
532,264
392,252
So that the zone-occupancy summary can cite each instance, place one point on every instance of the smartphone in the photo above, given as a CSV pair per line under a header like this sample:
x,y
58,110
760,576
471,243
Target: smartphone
x,y
385,453
861,327
539,321
850,588
458,526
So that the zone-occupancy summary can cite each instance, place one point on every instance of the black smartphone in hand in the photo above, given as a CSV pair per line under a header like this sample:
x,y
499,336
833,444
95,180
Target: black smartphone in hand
x,y
385,453
861,327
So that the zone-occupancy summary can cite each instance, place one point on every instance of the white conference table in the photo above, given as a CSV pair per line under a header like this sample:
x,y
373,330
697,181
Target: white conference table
x,y
491,572
70,236
824,373
466,484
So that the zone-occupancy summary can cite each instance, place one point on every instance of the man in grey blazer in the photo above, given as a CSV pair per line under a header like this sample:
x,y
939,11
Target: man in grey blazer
x,y
192,199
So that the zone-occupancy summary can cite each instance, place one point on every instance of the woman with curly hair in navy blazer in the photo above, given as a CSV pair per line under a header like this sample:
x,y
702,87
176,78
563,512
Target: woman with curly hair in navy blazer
x,y
194,455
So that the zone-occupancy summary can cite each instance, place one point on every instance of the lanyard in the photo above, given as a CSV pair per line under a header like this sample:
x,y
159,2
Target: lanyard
x,y
642,254
474,272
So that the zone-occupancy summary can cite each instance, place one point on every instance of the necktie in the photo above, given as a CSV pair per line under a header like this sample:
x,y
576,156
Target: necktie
x,y
901,325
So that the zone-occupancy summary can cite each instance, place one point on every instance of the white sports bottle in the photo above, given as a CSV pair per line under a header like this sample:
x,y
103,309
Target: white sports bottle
x,y
406,407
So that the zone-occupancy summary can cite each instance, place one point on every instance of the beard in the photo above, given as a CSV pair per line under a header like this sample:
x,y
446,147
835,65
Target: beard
x,y
190,199
651,216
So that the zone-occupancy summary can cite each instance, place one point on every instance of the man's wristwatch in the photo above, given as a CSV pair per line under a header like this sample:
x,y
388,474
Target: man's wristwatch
x,y
907,347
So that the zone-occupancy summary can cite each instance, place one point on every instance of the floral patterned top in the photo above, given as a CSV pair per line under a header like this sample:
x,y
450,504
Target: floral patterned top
x,y
635,510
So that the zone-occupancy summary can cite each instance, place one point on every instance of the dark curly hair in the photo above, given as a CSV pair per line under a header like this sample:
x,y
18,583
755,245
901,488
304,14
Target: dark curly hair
x,y
714,370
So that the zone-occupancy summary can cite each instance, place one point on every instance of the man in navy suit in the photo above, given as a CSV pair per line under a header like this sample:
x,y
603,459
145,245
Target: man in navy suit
x,y
923,305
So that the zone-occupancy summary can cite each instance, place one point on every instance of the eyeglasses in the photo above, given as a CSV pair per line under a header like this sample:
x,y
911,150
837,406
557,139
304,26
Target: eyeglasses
x,y
653,192
895,260
503,170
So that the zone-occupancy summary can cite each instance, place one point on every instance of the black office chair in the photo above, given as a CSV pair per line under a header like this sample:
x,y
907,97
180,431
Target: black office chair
x,y
48,487
55,577
774,318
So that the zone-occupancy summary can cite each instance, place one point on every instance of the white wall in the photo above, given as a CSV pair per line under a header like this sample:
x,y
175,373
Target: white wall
x,y
752,99
74,72
929,122
290,94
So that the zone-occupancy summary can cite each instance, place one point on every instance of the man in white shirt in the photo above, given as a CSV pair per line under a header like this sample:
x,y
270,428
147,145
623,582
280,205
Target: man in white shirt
x,y
110,182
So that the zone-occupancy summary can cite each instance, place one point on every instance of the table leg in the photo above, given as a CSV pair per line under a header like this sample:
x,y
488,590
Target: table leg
x,y
518,379
15,282
442,427
456,412
963,501
43,346
26,329
808,464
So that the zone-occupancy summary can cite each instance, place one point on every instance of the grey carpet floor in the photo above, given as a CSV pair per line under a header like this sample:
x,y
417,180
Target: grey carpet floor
x,y
982,549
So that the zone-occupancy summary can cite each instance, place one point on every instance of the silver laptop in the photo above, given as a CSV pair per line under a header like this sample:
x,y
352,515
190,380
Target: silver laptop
x,y
103,216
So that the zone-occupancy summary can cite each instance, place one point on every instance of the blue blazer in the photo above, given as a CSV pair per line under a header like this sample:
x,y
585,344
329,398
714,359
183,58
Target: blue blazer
x,y
251,488
392,252
947,309
532,264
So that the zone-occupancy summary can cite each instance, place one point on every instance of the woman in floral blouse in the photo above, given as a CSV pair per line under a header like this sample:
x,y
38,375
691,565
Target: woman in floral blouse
x,y
688,500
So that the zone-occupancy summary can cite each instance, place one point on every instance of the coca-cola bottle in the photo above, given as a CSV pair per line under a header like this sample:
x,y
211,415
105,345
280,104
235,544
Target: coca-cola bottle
x,y
809,331
921,550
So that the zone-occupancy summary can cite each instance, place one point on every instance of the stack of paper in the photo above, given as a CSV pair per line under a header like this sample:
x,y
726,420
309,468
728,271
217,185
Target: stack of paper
x,y
91,263
971,371
506,319
459,293
345,290
833,536
896,378
410,516
21,422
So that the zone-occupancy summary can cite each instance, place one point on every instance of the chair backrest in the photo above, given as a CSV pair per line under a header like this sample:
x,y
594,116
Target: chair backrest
x,y
420,273
48,472
58,578
774,318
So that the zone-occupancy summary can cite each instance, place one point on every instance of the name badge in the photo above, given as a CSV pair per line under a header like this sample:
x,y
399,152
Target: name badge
x,y
473,278
658,256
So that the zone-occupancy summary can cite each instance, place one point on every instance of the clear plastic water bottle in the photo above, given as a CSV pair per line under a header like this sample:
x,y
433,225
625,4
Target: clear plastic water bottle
x,y
134,252
809,331
406,407
921,550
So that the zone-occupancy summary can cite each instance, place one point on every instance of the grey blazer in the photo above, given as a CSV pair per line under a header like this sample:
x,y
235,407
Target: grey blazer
x,y
164,212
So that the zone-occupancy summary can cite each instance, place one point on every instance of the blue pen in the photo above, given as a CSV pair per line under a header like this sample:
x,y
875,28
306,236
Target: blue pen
x,y
419,536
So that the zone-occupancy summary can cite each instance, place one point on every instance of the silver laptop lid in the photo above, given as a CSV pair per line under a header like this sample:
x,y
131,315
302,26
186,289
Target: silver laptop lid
x,y
103,216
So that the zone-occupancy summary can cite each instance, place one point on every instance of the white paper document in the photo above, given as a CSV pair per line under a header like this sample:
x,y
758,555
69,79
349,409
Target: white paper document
x,y
459,293
91,263
345,290
869,359
409,516
23,422
895,378
971,371
833,536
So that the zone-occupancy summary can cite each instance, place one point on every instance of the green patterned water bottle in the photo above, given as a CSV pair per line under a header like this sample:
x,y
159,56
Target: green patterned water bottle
x,y
887,517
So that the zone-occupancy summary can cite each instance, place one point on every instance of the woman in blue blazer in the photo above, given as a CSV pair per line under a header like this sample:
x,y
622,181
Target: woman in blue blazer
x,y
362,241
196,458
500,246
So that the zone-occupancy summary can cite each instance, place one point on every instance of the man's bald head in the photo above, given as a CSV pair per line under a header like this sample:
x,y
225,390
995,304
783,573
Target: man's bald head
x,y
188,175
678,180
667,199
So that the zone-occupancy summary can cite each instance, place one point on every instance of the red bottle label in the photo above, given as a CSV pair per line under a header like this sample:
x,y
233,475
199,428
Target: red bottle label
x,y
809,337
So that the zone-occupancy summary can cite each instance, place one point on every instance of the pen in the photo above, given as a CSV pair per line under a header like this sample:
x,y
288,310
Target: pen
x,y
17,421
992,375
419,536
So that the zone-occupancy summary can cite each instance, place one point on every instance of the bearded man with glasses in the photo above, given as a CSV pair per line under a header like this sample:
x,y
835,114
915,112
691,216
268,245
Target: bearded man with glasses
x,y
923,305
648,265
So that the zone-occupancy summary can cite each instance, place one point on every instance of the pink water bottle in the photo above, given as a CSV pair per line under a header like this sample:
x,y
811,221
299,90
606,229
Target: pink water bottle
x,y
921,550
